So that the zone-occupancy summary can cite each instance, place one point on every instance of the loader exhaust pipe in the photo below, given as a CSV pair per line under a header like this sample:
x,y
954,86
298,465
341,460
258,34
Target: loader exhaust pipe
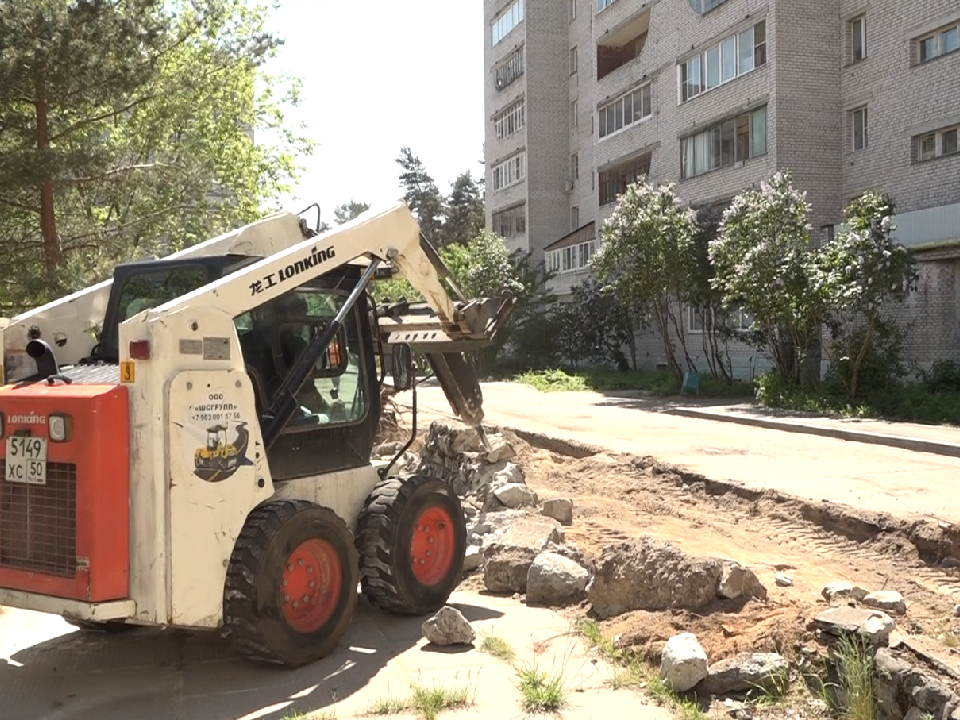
x,y
41,351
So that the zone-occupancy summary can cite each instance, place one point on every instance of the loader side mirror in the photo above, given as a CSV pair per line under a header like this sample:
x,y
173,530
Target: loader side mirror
x,y
401,367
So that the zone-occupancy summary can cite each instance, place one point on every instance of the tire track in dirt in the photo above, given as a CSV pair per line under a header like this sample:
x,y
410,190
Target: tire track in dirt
x,y
619,497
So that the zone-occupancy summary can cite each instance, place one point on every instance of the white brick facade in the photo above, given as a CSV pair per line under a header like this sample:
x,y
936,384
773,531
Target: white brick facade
x,y
809,84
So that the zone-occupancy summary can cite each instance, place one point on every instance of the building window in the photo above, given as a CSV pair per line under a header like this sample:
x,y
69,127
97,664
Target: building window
x,y
939,143
858,39
615,179
570,259
510,120
603,4
511,222
510,172
629,108
510,18
573,10
623,46
726,144
507,72
940,42
573,60
574,217
704,6
574,167
574,114
859,118
738,320
732,57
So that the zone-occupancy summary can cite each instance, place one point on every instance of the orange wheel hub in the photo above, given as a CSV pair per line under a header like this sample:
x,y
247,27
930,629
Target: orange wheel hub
x,y
432,546
310,586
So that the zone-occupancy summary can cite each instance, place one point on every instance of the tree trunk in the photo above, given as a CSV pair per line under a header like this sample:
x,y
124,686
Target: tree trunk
x,y
52,252
855,370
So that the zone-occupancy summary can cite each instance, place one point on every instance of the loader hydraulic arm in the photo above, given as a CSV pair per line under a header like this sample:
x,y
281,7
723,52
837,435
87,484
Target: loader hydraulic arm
x,y
388,235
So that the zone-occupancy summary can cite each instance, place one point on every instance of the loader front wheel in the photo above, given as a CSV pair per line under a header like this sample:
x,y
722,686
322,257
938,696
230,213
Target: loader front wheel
x,y
412,538
291,584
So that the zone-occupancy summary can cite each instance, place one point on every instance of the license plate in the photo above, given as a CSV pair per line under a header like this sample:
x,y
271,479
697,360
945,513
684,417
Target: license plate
x,y
27,460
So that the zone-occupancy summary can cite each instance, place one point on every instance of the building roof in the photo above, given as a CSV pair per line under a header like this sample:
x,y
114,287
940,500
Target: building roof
x,y
584,233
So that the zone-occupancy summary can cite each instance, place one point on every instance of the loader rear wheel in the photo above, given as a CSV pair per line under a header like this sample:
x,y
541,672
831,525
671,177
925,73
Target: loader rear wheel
x,y
291,583
412,538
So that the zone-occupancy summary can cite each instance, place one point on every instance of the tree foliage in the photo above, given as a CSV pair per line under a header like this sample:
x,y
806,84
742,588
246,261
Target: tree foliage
x,y
597,328
422,195
463,211
127,129
857,274
761,263
645,260
347,211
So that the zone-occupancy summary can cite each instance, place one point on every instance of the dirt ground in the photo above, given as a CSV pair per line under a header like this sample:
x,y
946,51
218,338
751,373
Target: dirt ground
x,y
619,497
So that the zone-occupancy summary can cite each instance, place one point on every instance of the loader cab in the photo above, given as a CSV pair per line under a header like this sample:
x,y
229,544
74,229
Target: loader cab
x,y
339,405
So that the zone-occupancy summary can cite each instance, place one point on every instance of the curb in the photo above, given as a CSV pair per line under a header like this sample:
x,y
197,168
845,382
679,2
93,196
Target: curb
x,y
935,447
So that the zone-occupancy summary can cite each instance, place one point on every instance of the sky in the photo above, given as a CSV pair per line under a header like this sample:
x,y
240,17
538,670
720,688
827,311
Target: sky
x,y
379,75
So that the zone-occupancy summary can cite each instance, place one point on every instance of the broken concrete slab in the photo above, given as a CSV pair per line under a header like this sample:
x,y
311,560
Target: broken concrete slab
x,y
554,580
887,600
448,627
841,590
875,625
737,581
683,663
505,567
534,531
560,509
746,672
514,495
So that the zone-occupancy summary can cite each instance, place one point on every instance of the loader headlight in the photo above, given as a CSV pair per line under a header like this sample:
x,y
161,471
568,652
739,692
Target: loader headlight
x,y
59,428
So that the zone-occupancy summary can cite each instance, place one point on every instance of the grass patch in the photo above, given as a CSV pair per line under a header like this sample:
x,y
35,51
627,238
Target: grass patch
x,y
855,667
659,383
498,647
540,692
427,702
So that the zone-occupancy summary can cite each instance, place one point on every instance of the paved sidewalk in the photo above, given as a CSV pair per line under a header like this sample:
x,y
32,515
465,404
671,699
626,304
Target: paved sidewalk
x,y
863,464
50,671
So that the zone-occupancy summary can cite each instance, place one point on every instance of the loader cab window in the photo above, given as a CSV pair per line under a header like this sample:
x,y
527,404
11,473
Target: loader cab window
x,y
274,336
150,289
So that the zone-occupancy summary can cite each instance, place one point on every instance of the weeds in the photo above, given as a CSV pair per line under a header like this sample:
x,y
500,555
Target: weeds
x,y
855,666
540,691
428,702
498,647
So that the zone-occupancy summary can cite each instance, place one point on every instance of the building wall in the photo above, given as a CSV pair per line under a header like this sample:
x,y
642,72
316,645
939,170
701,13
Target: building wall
x,y
809,83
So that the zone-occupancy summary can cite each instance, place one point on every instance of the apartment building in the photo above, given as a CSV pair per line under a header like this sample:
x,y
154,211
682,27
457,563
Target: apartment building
x,y
583,96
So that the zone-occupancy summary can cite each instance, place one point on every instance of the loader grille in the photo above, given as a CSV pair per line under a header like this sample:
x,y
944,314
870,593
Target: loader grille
x,y
38,523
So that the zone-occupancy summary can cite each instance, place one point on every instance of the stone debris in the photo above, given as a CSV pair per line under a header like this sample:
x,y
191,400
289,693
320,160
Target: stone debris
x,y
472,559
560,509
555,580
736,581
515,495
683,663
887,600
533,531
875,625
505,567
745,672
448,627
842,591
649,574
783,580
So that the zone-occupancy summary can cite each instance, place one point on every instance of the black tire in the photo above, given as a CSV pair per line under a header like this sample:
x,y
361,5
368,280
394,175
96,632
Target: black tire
x,y
255,611
385,532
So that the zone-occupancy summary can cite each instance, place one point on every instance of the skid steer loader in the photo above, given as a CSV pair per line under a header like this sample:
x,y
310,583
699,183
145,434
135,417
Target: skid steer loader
x,y
189,444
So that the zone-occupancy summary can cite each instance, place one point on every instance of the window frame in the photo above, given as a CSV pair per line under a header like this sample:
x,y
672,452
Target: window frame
x,y
863,130
515,14
515,114
937,137
570,259
574,62
936,36
514,216
645,92
510,172
729,143
604,4
699,64
855,34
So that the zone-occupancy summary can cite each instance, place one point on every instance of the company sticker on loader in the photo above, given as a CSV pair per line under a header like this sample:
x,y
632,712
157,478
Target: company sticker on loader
x,y
224,450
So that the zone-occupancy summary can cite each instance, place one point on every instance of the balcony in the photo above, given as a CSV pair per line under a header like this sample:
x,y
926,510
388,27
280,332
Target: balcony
x,y
622,45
